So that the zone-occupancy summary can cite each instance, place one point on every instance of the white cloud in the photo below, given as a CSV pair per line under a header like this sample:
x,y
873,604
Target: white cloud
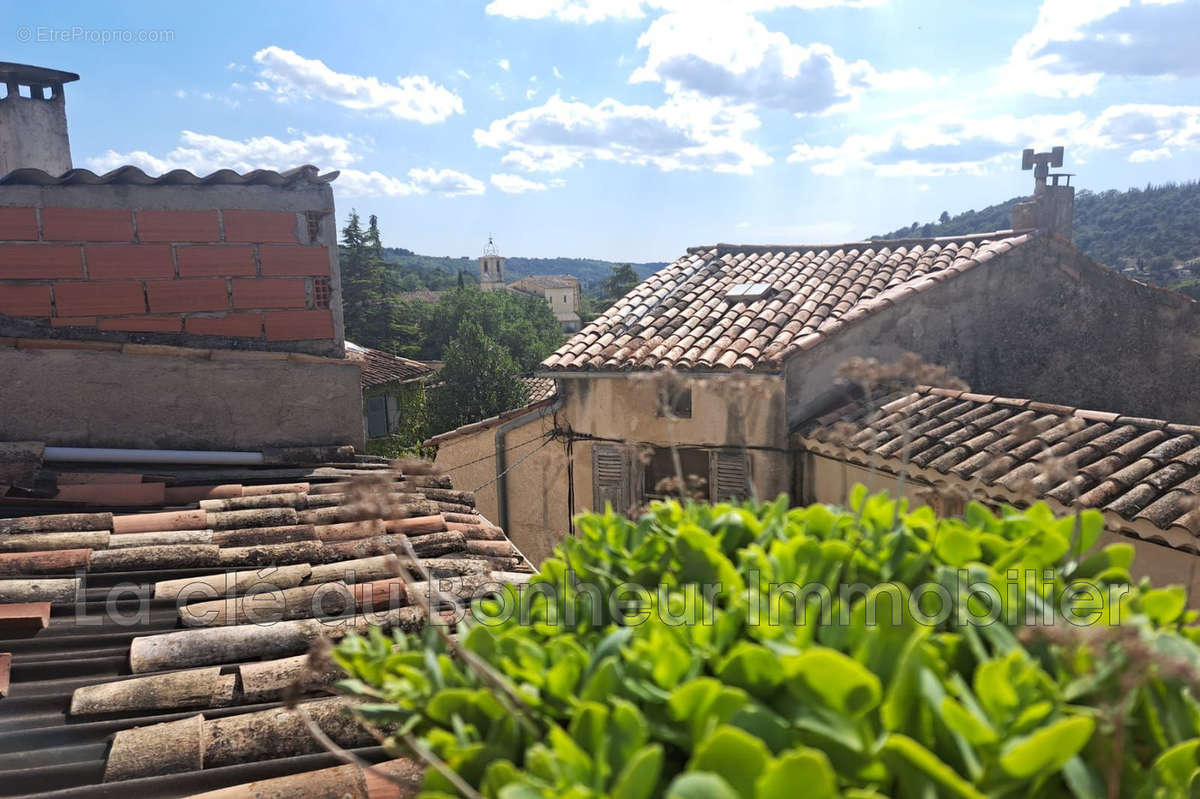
x,y
530,93
589,11
1073,44
729,54
515,184
684,133
204,154
462,73
557,74
503,64
445,181
289,76
939,146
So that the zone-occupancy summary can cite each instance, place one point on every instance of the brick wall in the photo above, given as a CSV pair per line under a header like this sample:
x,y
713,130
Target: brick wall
x,y
219,276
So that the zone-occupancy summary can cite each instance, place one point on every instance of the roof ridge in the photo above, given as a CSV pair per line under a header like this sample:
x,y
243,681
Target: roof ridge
x,y
724,248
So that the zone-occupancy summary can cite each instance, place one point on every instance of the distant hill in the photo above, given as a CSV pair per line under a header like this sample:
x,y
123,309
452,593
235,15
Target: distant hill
x,y
1154,231
438,272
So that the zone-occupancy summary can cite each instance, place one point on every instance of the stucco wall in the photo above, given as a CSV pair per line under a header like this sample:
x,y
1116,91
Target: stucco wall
x,y
33,133
1043,321
726,410
536,483
134,397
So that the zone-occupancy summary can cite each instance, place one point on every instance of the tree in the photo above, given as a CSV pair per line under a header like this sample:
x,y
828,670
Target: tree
x,y
620,282
522,324
944,218
367,306
479,379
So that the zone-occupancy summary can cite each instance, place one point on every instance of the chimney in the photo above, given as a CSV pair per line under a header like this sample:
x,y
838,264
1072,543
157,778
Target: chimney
x,y
1052,208
33,119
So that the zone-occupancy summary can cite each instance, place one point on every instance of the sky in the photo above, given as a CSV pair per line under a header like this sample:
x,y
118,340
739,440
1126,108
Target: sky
x,y
632,129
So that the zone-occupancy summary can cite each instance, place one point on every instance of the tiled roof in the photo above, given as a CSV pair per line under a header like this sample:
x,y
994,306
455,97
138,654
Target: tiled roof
x,y
540,388
380,367
538,283
1143,473
132,176
183,692
680,317
490,422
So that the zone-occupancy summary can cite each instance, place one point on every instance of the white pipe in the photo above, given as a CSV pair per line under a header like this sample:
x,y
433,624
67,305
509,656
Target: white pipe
x,y
102,455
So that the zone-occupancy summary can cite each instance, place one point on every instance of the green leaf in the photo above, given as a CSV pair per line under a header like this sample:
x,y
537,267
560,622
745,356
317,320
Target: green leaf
x,y
738,757
841,682
902,750
1164,605
639,778
807,770
700,786
1175,767
957,545
751,667
976,730
1047,749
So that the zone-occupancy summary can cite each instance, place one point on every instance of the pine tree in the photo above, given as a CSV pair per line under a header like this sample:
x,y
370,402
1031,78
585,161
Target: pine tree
x,y
367,308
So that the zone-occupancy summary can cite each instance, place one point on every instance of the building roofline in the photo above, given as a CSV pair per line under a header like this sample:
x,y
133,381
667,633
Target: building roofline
x,y
490,422
28,73
724,248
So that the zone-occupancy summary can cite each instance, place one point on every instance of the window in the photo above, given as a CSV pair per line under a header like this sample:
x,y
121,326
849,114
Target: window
x,y
660,477
377,421
674,399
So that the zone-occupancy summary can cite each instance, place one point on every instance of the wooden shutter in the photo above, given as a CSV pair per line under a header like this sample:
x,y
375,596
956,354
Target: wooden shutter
x,y
730,475
610,478
377,425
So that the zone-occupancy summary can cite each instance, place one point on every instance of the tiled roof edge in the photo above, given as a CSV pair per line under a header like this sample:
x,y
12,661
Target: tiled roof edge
x,y
133,176
489,422
723,248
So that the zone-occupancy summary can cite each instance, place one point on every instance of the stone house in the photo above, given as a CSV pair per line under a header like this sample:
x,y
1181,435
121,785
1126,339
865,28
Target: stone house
x,y
177,311
729,350
391,386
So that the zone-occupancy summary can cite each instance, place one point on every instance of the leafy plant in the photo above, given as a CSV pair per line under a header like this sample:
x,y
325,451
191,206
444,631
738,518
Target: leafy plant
x,y
751,651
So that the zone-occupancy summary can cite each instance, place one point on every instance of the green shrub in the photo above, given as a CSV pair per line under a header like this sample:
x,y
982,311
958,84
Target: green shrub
x,y
712,684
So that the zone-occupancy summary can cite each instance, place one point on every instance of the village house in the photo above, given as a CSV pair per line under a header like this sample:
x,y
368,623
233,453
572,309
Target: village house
x,y
561,292
718,359
392,386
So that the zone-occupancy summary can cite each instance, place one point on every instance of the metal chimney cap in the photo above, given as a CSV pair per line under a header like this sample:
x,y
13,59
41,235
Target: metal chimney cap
x,y
26,73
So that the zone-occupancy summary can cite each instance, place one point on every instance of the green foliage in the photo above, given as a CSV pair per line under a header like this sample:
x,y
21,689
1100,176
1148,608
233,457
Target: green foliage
x,y
591,272
412,423
684,688
480,379
523,325
371,318
1150,229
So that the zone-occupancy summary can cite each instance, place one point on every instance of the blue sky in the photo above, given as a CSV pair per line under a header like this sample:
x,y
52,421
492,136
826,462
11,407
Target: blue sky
x,y
631,129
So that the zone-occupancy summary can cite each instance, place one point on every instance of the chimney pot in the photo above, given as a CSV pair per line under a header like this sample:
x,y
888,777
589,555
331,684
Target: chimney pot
x,y
33,129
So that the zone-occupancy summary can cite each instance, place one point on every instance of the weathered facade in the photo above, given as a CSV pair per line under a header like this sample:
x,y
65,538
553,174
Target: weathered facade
x,y
726,351
233,278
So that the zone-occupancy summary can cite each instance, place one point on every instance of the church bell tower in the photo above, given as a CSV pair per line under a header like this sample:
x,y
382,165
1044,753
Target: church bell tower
x,y
491,268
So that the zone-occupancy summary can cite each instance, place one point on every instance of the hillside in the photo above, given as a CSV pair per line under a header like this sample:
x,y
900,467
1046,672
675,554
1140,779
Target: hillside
x,y
1154,231
439,272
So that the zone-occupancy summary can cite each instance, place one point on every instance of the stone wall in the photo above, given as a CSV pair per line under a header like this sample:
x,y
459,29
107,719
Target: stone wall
x,y
246,267
1042,321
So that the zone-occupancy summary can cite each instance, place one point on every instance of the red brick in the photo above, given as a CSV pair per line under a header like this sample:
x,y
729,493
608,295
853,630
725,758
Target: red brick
x,y
215,261
178,226
17,299
18,224
294,260
73,321
275,226
40,261
242,325
177,296
128,260
269,293
299,325
99,299
144,324
87,224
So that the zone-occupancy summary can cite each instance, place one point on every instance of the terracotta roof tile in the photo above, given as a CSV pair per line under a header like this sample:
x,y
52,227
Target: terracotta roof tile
x,y
1143,470
204,706
816,292
379,367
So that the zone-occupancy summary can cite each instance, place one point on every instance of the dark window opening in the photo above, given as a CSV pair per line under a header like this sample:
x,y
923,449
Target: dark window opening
x,y
661,478
675,399
313,221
